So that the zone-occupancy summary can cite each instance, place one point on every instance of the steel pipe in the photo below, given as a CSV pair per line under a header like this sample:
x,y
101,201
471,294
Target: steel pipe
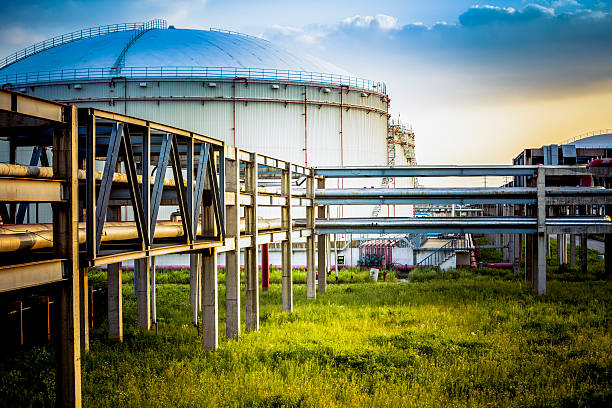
x,y
38,236
450,224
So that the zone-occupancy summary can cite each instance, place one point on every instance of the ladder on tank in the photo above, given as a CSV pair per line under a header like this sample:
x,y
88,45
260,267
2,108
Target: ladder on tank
x,y
407,150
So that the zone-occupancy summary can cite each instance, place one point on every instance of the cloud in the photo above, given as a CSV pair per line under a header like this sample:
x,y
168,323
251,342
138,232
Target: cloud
x,y
537,48
482,15
379,21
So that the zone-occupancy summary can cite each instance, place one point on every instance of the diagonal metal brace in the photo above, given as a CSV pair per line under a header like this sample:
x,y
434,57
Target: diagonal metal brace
x,y
212,175
107,179
199,189
130,166
160,175
33,162
177,169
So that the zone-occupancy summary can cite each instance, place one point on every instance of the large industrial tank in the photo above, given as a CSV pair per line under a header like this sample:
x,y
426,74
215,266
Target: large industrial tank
x,y
241,89
238,88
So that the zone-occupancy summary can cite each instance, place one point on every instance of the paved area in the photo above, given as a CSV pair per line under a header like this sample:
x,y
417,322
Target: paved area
x,y
596,245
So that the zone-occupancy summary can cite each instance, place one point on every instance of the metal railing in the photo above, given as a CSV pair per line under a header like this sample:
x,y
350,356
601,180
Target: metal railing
x,y
441,254
79,35
587,134
76,74
220,30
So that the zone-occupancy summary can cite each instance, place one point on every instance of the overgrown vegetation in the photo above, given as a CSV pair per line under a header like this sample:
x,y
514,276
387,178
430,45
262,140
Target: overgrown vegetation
x,y
456,338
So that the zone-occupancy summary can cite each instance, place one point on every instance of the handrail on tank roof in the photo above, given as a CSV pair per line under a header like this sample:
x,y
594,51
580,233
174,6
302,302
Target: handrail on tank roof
x,y
221,30
85,74
598,132
79,35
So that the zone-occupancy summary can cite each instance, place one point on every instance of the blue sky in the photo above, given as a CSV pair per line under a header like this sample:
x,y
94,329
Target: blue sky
x,y
499,75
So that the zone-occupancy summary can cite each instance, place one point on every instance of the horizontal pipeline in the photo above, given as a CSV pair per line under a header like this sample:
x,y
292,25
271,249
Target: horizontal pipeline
x,y
20,237
17,170
516,195
434,171
452,224
38,172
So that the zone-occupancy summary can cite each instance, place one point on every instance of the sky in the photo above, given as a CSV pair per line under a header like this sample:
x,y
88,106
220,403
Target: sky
x,y
478,81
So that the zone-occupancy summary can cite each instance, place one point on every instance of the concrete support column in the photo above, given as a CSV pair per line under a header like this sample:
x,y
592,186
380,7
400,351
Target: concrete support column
x,y
560,249
287,245
195,262
516,254
310,247
143,293
322,266
84,309
232,257
540,281
572,240
210,301
583,246
321,243
153,292
583,253
265,267
529,259
115,288
115,302
608,247
251,263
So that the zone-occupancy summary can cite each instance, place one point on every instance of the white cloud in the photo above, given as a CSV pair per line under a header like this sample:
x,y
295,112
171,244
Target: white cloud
x,y
381,21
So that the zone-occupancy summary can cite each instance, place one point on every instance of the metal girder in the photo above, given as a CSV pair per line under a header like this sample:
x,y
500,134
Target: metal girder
x,y
90,188
218,212
30,274
107,178
135,193
200,177
177,170
160,175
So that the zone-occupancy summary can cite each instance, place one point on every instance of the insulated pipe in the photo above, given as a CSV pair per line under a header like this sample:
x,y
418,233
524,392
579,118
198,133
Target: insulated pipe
x,y
37,172
446,223
38,236
16,170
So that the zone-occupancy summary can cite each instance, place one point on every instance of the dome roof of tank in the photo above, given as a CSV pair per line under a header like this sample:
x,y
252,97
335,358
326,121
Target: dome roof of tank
x,y
153,50
603,140
160,47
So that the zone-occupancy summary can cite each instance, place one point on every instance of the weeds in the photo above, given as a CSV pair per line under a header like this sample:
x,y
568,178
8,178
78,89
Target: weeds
x,y
455,338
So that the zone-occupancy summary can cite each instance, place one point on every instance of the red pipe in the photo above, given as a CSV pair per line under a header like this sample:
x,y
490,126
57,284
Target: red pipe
x,y
497,265
265,268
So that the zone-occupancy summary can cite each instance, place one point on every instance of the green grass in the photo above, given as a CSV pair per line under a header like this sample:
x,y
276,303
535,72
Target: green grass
x,y
181,276
455,338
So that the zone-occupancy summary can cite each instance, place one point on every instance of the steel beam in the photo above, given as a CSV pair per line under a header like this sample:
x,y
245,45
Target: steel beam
x,y
30,274
65,220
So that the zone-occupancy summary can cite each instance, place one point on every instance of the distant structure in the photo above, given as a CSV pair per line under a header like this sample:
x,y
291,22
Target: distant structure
x,y
596,145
